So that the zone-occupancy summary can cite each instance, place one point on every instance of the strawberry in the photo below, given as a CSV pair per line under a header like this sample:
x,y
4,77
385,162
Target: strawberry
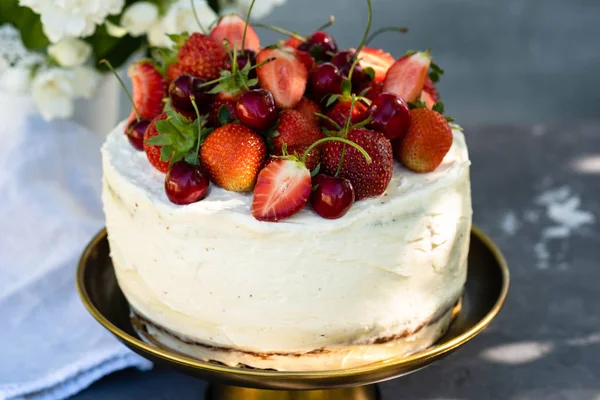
x,y
293,42
341,110
305,58
173,71
308,108
285,77
368,179
202,56
407,76
282,189
427,141
427,99
153,151
231,27
294,129
312,159
377,59
233,156
431,90
149,88
222,99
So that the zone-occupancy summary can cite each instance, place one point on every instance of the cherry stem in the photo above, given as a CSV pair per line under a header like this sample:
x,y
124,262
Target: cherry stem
x,y
336,139
327,24
366,35
280,30
246,27
193,100
268,60
399,29
109,65
326,118
196,17
354,62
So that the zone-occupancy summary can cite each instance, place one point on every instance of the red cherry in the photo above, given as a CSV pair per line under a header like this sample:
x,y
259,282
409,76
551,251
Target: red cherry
x,y
186,183
390,115
324,80
332,196
320,45
249,56
135,132
185,86
256,109
343,60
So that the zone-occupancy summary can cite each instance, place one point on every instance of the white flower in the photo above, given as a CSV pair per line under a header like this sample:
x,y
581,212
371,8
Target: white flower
x,y
260,10
15,79
70,52
180,17
157,36
72,18
53,90
139,17
85,81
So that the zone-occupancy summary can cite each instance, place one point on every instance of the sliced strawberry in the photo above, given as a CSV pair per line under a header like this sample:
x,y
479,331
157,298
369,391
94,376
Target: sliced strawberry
x,y
407,76
306,59
377,59
282,189
149,88
285,77
231,27
430,88
426,98
293,43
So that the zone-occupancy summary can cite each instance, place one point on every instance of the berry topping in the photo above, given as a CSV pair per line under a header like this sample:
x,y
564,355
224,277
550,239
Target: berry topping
x,y
222,109
256,109
201,56
368,179
153,152
313,157
231,27
344,60
285,77
325,80
294,129
282,189
332,196
233,156
407,76
135,132
149,89
183,88
173,71
427,141
186,183
320,45
389,115
377,59
308,108
340,112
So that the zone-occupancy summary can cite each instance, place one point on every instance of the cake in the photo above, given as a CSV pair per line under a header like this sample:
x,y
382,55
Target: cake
x,y
265,266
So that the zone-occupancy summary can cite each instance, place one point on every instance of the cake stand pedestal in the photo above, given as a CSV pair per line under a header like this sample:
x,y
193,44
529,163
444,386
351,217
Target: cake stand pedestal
x,y
484,295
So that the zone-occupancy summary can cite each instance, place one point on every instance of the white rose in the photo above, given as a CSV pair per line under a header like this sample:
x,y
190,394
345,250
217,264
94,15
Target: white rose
x,y
139,17
52,90
85,81
180,17
16,80
70,52
157,36
260,10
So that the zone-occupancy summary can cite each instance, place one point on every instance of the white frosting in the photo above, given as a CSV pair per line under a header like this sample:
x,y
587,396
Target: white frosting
x,y
212,273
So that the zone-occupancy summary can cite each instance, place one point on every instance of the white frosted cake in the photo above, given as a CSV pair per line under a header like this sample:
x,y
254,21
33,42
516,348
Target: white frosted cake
x,y
273,210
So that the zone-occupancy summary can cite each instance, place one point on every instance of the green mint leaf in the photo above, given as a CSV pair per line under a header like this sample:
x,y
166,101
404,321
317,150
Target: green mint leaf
x,y
346,88
224,115
370,72
439,107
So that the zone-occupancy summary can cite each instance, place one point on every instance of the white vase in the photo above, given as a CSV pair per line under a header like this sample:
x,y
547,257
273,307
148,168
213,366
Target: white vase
x,y
101,112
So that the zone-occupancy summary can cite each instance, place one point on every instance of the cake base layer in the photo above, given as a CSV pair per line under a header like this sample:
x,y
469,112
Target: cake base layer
x,y
328,358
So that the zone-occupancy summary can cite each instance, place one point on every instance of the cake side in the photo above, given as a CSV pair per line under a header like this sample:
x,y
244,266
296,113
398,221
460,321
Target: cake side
x,y
215,275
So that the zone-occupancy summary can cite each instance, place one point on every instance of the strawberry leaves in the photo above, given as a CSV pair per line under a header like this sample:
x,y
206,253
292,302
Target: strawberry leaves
x,y
435,72
180,137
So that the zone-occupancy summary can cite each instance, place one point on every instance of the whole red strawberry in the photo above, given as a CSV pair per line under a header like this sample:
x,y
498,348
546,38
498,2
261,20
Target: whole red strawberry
x,y
294,129
222,99
149,88
233,156
308,108
153,151
427,141
341,110
202,56
368,179
173,71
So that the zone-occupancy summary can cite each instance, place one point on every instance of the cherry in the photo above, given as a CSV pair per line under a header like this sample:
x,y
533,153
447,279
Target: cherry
x,y
185,86
249,56
256,109
324,80
389,115
332,196
186,183
343,60
135,132
320,45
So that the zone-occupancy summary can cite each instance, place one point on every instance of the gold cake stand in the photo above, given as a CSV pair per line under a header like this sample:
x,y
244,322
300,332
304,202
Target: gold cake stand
x,y
485,292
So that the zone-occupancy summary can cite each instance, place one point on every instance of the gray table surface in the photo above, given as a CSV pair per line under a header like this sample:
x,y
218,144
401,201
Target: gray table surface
x,y
535,193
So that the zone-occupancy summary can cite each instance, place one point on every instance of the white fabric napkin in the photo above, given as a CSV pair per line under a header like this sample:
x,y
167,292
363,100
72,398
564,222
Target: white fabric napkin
x,y
50,347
